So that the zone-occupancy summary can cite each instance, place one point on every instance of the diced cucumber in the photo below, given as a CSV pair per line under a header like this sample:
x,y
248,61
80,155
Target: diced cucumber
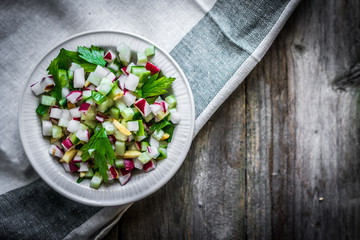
x,y
141,58
90,101
89,173
83,127
144,157
119,163
163,144
113,66
42,109
115,112
127,113
120,148
106,81
109,127
86,94
158,134
128,68
138,70
149,117
140,132
96,180
149,51
143,78
91,123
140,138
74,139
124,53
56,131
115,91
144,146
120,104
171,100
120,136
48,100
98,97
104,89
163,153
105,105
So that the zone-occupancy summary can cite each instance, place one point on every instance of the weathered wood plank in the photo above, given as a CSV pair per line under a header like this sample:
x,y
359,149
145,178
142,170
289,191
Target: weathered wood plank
x,y
283,140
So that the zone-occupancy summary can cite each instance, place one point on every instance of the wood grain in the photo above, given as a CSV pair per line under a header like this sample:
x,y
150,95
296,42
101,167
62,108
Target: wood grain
x,y
280,158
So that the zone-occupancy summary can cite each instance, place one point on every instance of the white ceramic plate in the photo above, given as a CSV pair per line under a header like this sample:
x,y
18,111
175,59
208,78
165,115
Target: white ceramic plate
x,y
140,185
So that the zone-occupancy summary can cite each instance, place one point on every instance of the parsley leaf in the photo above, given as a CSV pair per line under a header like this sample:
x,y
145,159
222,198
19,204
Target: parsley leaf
x,y
103,152
155,87
60,81
93,55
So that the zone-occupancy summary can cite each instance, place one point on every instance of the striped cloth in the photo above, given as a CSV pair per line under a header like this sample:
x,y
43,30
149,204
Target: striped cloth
x,y
216,43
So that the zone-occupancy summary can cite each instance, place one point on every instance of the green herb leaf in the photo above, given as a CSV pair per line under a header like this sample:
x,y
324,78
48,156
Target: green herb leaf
x,y
103,152
79,180
157,87
160,125
60,81
92,55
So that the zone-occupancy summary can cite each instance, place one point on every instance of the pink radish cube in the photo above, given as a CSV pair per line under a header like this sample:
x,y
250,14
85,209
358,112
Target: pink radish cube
x,y
46,127
129,164
74,96
79,78
152,68
37,88
124,70
153,152
75,113
124,176
155,108
138,164
110,56
73,167
56,151
55,112
67,144
83,135
143,107
73,126
132,82
149,166
111,76
128,98
101,72
84,108
122,79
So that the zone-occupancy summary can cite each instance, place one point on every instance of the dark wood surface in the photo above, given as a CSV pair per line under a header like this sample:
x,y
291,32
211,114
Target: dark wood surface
x,y
280,159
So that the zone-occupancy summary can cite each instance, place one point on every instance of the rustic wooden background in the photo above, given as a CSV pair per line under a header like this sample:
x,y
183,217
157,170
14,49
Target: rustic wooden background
x,y
280,158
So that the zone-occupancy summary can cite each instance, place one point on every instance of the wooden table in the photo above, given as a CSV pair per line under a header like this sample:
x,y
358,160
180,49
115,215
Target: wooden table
x,y
280,158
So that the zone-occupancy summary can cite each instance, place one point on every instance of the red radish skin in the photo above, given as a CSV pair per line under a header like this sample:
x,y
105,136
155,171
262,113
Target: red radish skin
x,y
152,68
124,176
77,159
149,166
99,118
138,145
74,96
84,107
73,167
67,144
112,139
113,172
76,119
143,107
124,71
129,164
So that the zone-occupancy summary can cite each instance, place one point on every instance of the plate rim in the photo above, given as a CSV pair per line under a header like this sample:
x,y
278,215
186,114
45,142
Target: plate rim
x,y
63,191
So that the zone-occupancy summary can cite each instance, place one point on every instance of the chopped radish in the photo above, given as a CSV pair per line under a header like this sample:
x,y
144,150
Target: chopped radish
x,y
124,176
73,126
124,70
99,118
110,56
75,113
65,114
56,151
143,106
153,152
112,173
47,83
74,96
112,139
66,167
77,159
79,78
65,91
155,108
111,76
37,88
83,135
55,112
128,98
151,165
138,164
138,145
124,53
152,68
94,78
129,164
46,128
73,167
101,72
133,126
132,82
164,106
122,79
84,108
84,167
67,144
